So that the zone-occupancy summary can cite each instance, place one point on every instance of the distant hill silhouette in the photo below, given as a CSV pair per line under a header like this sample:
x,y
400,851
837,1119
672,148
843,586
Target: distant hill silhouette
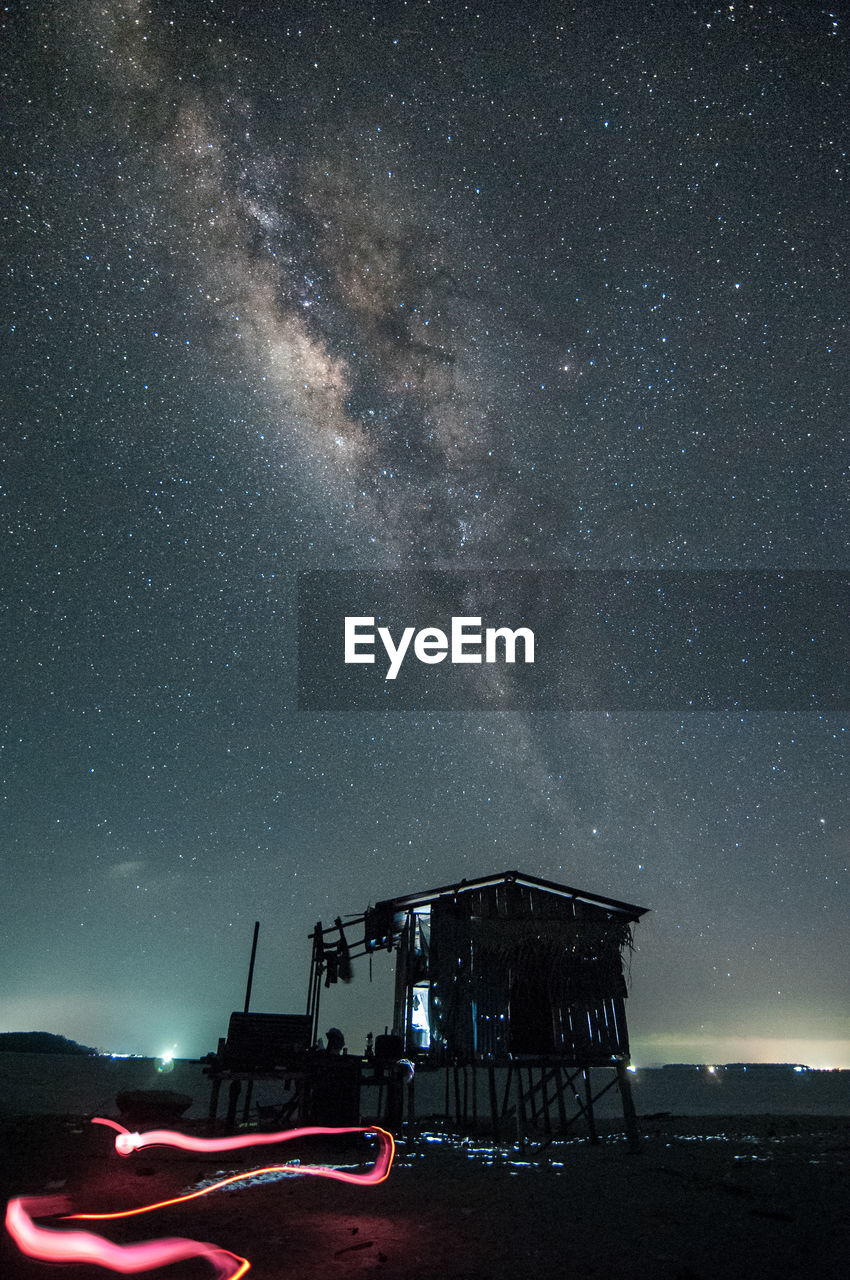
x,y
41,1042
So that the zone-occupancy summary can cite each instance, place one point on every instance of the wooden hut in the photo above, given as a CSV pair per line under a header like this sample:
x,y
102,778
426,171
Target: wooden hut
x,y
506,971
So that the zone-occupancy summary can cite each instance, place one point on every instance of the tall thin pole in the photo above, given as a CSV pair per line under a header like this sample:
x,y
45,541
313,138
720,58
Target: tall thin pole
x,y
251,966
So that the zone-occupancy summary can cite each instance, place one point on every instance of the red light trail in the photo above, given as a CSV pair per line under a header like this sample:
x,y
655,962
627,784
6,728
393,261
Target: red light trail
x,y
50,1244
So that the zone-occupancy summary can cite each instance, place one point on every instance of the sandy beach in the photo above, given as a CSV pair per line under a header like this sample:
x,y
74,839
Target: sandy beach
x,y
706,1197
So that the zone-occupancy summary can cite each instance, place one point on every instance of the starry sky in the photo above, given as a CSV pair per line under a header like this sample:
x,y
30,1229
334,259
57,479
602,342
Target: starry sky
x,y
408,286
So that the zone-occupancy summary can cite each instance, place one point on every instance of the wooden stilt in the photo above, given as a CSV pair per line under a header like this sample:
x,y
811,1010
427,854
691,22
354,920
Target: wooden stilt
x,y
544,1099
559,1094
232,1104
411,1106
474,1098
521,1121
214,1093
532,1101
494,1102
629,1113
588,1094
508,1084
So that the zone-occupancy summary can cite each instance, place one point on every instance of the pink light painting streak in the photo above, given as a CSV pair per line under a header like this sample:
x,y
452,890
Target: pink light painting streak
x,y
49,1245
70,1245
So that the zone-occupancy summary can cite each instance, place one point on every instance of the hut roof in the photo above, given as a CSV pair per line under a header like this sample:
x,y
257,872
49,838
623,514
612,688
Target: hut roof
x,y
626,909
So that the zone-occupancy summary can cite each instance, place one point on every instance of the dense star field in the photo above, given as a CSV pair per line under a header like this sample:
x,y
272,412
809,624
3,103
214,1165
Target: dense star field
x,y
395,287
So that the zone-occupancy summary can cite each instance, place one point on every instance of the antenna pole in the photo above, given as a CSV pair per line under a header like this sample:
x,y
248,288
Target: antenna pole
x,y
251,966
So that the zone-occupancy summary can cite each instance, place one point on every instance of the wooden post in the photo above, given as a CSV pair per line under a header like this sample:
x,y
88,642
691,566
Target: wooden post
x,y
521,1123
629,1113
314,988
494,1102
508,1083
562,1108
232,1104
530,1095
411,1107
213,1111
251,966
591,1122
544,1089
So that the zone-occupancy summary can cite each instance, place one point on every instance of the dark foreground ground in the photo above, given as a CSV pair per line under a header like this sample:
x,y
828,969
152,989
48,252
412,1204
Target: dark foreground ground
x,y
707,1198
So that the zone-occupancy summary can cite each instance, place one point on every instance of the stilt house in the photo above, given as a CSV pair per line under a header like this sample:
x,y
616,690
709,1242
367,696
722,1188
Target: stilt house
x,y
505,967
506,970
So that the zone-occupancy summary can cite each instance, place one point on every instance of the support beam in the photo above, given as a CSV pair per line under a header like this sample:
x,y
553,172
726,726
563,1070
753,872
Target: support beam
x,y
591,1123
628,1106
494,1102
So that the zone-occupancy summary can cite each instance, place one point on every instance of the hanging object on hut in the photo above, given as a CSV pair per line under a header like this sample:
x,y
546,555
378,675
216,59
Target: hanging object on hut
x,y
331,955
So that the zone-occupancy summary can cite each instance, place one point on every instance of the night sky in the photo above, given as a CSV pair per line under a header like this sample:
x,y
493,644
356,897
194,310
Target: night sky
x,y
404,287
